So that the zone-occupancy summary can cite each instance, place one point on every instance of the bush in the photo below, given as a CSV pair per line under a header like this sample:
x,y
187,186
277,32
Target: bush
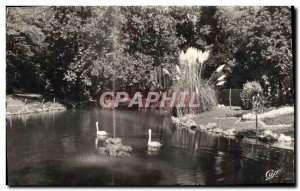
x,y
249,89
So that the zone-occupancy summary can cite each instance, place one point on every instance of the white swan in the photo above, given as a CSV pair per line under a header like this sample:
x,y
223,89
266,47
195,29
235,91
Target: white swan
x,y
100,133
153,145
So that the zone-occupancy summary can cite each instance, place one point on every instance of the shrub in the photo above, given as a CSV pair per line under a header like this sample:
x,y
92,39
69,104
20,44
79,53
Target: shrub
x,y
249,89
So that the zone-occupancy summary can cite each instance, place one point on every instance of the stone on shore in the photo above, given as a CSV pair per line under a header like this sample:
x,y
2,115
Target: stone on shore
x,y
185,122
230,132
192,124
113,147
218,130
284,138
267,136
210,126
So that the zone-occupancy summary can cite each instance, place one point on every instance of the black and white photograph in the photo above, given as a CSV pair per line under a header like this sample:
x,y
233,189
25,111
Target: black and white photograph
x,y
150,95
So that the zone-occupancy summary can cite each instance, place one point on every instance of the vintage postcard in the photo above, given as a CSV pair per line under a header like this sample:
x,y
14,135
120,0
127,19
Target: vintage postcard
x,y
150,95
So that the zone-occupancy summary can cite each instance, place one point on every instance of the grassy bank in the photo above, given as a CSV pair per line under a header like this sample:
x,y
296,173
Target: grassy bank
x,y
284,119
30,103
226,121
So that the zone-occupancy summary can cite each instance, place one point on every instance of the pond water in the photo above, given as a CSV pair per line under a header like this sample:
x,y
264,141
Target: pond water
x,y
58,148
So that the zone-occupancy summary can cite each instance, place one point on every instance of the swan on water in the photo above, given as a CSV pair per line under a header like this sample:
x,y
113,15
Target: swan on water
x,y
100,133
154,144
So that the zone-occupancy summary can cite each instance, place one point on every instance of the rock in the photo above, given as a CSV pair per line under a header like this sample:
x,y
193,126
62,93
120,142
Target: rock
x,y
118,153
220,105
112,147
192,124
123,154
175,119
126,148
113,141
284,138
211,125
208,127
202,127
112,153
267,136
101,150
217,130
230,132
8,113
185,122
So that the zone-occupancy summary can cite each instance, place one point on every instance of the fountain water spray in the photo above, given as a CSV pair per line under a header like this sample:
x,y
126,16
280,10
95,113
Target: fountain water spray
x,y
115,44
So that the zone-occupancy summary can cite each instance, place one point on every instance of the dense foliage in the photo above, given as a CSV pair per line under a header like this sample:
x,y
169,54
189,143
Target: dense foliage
x,y
250,89
76,53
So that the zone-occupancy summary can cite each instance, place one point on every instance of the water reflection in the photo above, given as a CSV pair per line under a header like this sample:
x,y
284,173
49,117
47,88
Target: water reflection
x,y
68,144
51,148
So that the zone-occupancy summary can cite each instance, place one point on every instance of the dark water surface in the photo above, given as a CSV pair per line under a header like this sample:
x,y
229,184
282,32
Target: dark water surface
x,y
58,148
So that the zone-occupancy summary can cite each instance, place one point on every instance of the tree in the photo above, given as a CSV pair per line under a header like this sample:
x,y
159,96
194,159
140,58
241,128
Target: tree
x,y
271,48
63,31
24,41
